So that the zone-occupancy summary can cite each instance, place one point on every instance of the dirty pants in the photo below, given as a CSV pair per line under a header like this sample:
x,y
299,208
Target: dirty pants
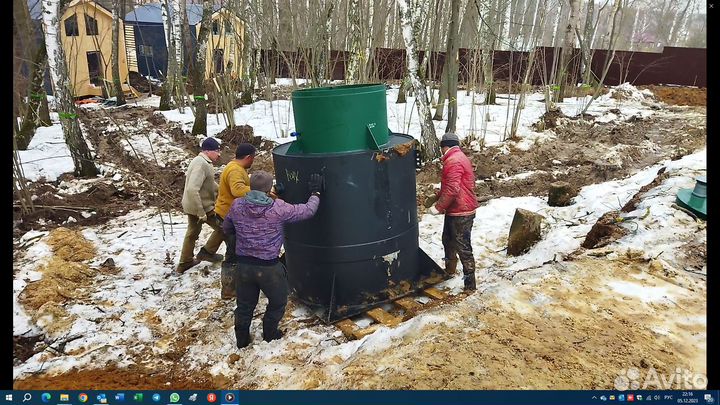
x,y
456,241
217,237
251,279
193,232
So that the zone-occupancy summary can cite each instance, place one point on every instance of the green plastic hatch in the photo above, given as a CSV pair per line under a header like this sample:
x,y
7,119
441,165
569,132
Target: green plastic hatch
x,y
340,119
694,200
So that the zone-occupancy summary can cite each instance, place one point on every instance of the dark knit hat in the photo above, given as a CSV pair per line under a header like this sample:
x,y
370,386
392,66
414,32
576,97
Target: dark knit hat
x,y
261,181
210,143
243,150
450,140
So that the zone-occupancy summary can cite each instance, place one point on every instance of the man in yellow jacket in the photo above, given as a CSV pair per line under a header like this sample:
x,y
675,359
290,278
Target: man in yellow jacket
x,y
234,183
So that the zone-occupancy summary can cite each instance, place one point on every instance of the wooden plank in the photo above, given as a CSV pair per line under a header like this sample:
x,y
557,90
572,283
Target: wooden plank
x,y
384,317
130,50
408,304
434,293
347,327
361,333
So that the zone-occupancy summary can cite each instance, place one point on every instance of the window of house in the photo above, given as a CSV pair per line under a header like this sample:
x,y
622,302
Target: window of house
x,y
146,50
91,27
94,71
228,27
218,56
71,26
215,28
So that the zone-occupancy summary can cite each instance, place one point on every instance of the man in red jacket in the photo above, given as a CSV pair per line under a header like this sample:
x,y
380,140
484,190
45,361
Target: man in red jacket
x,y
457,200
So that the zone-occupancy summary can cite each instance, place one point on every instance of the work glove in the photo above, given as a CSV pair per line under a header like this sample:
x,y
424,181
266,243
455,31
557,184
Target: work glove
x,y
433,211
278,189
202,219
430,200
315,183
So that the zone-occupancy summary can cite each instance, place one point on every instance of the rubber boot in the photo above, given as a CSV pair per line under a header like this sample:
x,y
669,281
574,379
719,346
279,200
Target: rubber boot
x,y
228,280
274,335
243,338
206,256
451,266
469,276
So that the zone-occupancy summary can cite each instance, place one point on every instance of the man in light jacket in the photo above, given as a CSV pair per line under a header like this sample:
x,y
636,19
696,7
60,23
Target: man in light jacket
x,y
257,221
198,203
457,200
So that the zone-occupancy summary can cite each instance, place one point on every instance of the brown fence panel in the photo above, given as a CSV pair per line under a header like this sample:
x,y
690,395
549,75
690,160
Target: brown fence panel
x,y
680,66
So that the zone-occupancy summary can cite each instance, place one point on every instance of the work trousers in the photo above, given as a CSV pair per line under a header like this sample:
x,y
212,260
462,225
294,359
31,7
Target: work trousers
x,y
251,279
193,232
456,239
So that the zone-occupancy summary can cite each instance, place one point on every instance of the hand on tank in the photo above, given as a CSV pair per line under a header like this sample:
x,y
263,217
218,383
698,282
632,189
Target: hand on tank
x,y
315,183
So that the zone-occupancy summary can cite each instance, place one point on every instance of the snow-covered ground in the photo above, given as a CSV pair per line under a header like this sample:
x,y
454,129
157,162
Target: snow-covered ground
x,y
48,156
145,310
274,120
142,241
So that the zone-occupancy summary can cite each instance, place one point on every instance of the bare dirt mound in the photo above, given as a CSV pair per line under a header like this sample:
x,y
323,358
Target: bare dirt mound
x,y
564,332
143,85
239,134
691,96
112,378
583,153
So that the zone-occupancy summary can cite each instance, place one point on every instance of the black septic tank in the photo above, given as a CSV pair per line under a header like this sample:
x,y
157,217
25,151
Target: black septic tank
x,y
361,248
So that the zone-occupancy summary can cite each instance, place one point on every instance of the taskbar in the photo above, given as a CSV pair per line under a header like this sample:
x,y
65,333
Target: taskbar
x,y
235,397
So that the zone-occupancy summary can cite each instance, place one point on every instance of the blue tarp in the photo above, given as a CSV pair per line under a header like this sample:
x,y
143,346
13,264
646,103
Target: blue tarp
x,y
152,13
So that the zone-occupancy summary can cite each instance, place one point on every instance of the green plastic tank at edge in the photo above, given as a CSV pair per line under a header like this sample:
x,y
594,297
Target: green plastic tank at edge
x,y
340,119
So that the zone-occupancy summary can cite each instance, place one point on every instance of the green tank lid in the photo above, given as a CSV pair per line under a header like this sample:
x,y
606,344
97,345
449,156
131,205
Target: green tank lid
x,y
694,200
340,119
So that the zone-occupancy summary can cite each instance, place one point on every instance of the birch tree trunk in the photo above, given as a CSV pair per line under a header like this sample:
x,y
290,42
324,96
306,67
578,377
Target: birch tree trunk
x,y
430,144
79,151
249,73
566,52
540,22
451,64
166,97
352,74
175,53
487,23
677,26
117,11
585,41
36,113
197,70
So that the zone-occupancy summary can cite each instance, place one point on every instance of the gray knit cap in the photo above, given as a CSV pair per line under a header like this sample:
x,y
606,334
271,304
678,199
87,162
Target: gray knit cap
x,y
450,139
261,181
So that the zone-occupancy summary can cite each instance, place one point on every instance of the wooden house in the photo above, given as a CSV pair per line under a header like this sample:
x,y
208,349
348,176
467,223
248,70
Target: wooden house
x,y
225,44
86,34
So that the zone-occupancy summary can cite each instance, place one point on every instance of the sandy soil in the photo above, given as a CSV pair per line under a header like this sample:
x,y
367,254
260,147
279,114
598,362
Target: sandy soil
x,y
555,328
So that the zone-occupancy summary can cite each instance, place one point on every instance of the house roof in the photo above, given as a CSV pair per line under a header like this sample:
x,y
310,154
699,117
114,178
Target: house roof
x,y
151,13
35,7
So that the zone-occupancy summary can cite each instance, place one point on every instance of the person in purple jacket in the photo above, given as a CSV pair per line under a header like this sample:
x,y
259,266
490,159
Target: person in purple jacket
x,y
256,221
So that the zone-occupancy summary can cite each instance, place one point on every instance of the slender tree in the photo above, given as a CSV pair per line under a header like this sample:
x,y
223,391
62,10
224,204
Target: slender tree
x,y
117,11
451,65
197,70
168,84
430,144
610,55
36,112
79,150
566,52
